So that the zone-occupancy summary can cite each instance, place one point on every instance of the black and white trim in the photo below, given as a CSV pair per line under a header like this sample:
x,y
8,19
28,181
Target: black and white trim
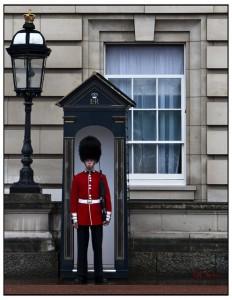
x,y
74,218
108,216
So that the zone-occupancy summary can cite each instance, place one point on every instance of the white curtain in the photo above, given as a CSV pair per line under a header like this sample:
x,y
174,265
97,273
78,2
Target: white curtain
x,y
142,60
169,91
151,60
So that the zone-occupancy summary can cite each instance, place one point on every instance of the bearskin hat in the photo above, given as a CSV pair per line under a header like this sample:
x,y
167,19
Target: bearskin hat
x,y
90,148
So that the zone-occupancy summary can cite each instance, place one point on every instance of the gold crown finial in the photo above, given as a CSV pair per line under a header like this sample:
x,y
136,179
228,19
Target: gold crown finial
x,y
29,16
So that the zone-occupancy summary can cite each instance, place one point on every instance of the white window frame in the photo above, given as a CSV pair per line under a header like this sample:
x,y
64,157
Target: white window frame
x,y
139,179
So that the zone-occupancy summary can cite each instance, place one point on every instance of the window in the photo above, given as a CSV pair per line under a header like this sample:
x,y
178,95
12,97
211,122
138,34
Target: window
x,y
153,76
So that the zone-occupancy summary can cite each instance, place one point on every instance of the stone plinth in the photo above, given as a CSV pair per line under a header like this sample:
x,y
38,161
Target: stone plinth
x,y
29,240
171,239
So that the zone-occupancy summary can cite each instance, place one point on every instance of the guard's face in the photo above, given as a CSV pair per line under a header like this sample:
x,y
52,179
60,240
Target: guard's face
x,y
89,163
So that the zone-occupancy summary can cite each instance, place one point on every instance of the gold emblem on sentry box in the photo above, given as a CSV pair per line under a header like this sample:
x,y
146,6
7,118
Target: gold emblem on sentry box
x,y
94,98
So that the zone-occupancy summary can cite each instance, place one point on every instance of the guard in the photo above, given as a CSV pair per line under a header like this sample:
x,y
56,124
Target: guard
x,y
87,204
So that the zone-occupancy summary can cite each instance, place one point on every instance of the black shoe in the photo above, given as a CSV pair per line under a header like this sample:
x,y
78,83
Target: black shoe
x,y
81,280
101,280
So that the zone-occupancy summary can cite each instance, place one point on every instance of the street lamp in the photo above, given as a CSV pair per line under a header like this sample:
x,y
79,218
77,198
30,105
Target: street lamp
x,y
28,53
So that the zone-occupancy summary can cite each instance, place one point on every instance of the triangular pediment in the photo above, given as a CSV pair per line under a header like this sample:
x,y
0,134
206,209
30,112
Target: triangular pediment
x,y
96,91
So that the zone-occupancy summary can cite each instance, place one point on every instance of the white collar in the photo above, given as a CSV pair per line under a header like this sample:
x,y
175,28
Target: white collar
x,y
91,171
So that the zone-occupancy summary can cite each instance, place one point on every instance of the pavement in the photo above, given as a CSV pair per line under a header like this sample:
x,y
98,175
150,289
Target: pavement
x,y
116,287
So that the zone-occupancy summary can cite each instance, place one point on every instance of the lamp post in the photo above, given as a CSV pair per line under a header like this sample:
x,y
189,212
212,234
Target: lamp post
x,y
28,51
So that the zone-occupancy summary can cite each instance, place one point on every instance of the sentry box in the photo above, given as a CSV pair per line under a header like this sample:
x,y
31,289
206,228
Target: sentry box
x,y
98,108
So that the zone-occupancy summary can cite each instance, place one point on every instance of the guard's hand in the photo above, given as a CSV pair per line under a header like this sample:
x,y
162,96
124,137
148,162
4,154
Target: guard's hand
x,y
75,225
105,223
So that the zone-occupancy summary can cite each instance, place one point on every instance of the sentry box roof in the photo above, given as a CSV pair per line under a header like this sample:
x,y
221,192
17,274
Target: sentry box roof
x,y
96,93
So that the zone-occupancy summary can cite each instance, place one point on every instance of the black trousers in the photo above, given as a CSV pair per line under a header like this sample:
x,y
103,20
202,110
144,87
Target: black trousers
x,y
83,241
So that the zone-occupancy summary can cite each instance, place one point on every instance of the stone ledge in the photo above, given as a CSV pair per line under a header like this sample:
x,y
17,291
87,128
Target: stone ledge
x,y
27,197
25,245
163,188
176,244
179,9
15,201
36,9
193,236
220,8
173,205
209,235
114,9
27,234
163,192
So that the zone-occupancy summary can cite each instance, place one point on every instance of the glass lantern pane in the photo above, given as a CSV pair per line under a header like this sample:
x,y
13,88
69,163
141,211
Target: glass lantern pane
x,y
35,67
35,38
19,38
20,78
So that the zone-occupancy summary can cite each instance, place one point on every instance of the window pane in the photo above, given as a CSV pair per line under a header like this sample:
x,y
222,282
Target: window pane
x,y
144,158
124,84
20,73
34,72
142,60
129,158
129,125
169,93
169,158
144,125
144,93
169,125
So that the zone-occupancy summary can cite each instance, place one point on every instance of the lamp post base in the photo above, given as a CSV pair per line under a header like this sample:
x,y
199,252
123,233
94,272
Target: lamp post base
x,y
19,187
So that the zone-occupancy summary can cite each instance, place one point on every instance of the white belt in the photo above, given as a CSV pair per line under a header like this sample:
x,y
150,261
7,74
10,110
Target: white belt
x,y
89,201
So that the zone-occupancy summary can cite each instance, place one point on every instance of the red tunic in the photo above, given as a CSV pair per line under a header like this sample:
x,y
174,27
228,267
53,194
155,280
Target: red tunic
x,y
85,185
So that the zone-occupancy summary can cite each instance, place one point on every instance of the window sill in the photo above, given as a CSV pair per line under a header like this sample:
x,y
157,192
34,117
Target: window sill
x,y
162,192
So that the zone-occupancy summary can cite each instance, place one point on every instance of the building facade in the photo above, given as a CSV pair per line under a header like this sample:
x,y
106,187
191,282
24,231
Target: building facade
x,y
172,61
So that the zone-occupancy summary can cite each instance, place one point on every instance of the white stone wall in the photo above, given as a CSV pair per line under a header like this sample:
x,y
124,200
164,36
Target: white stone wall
x,y
77,35
178,224
217,92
